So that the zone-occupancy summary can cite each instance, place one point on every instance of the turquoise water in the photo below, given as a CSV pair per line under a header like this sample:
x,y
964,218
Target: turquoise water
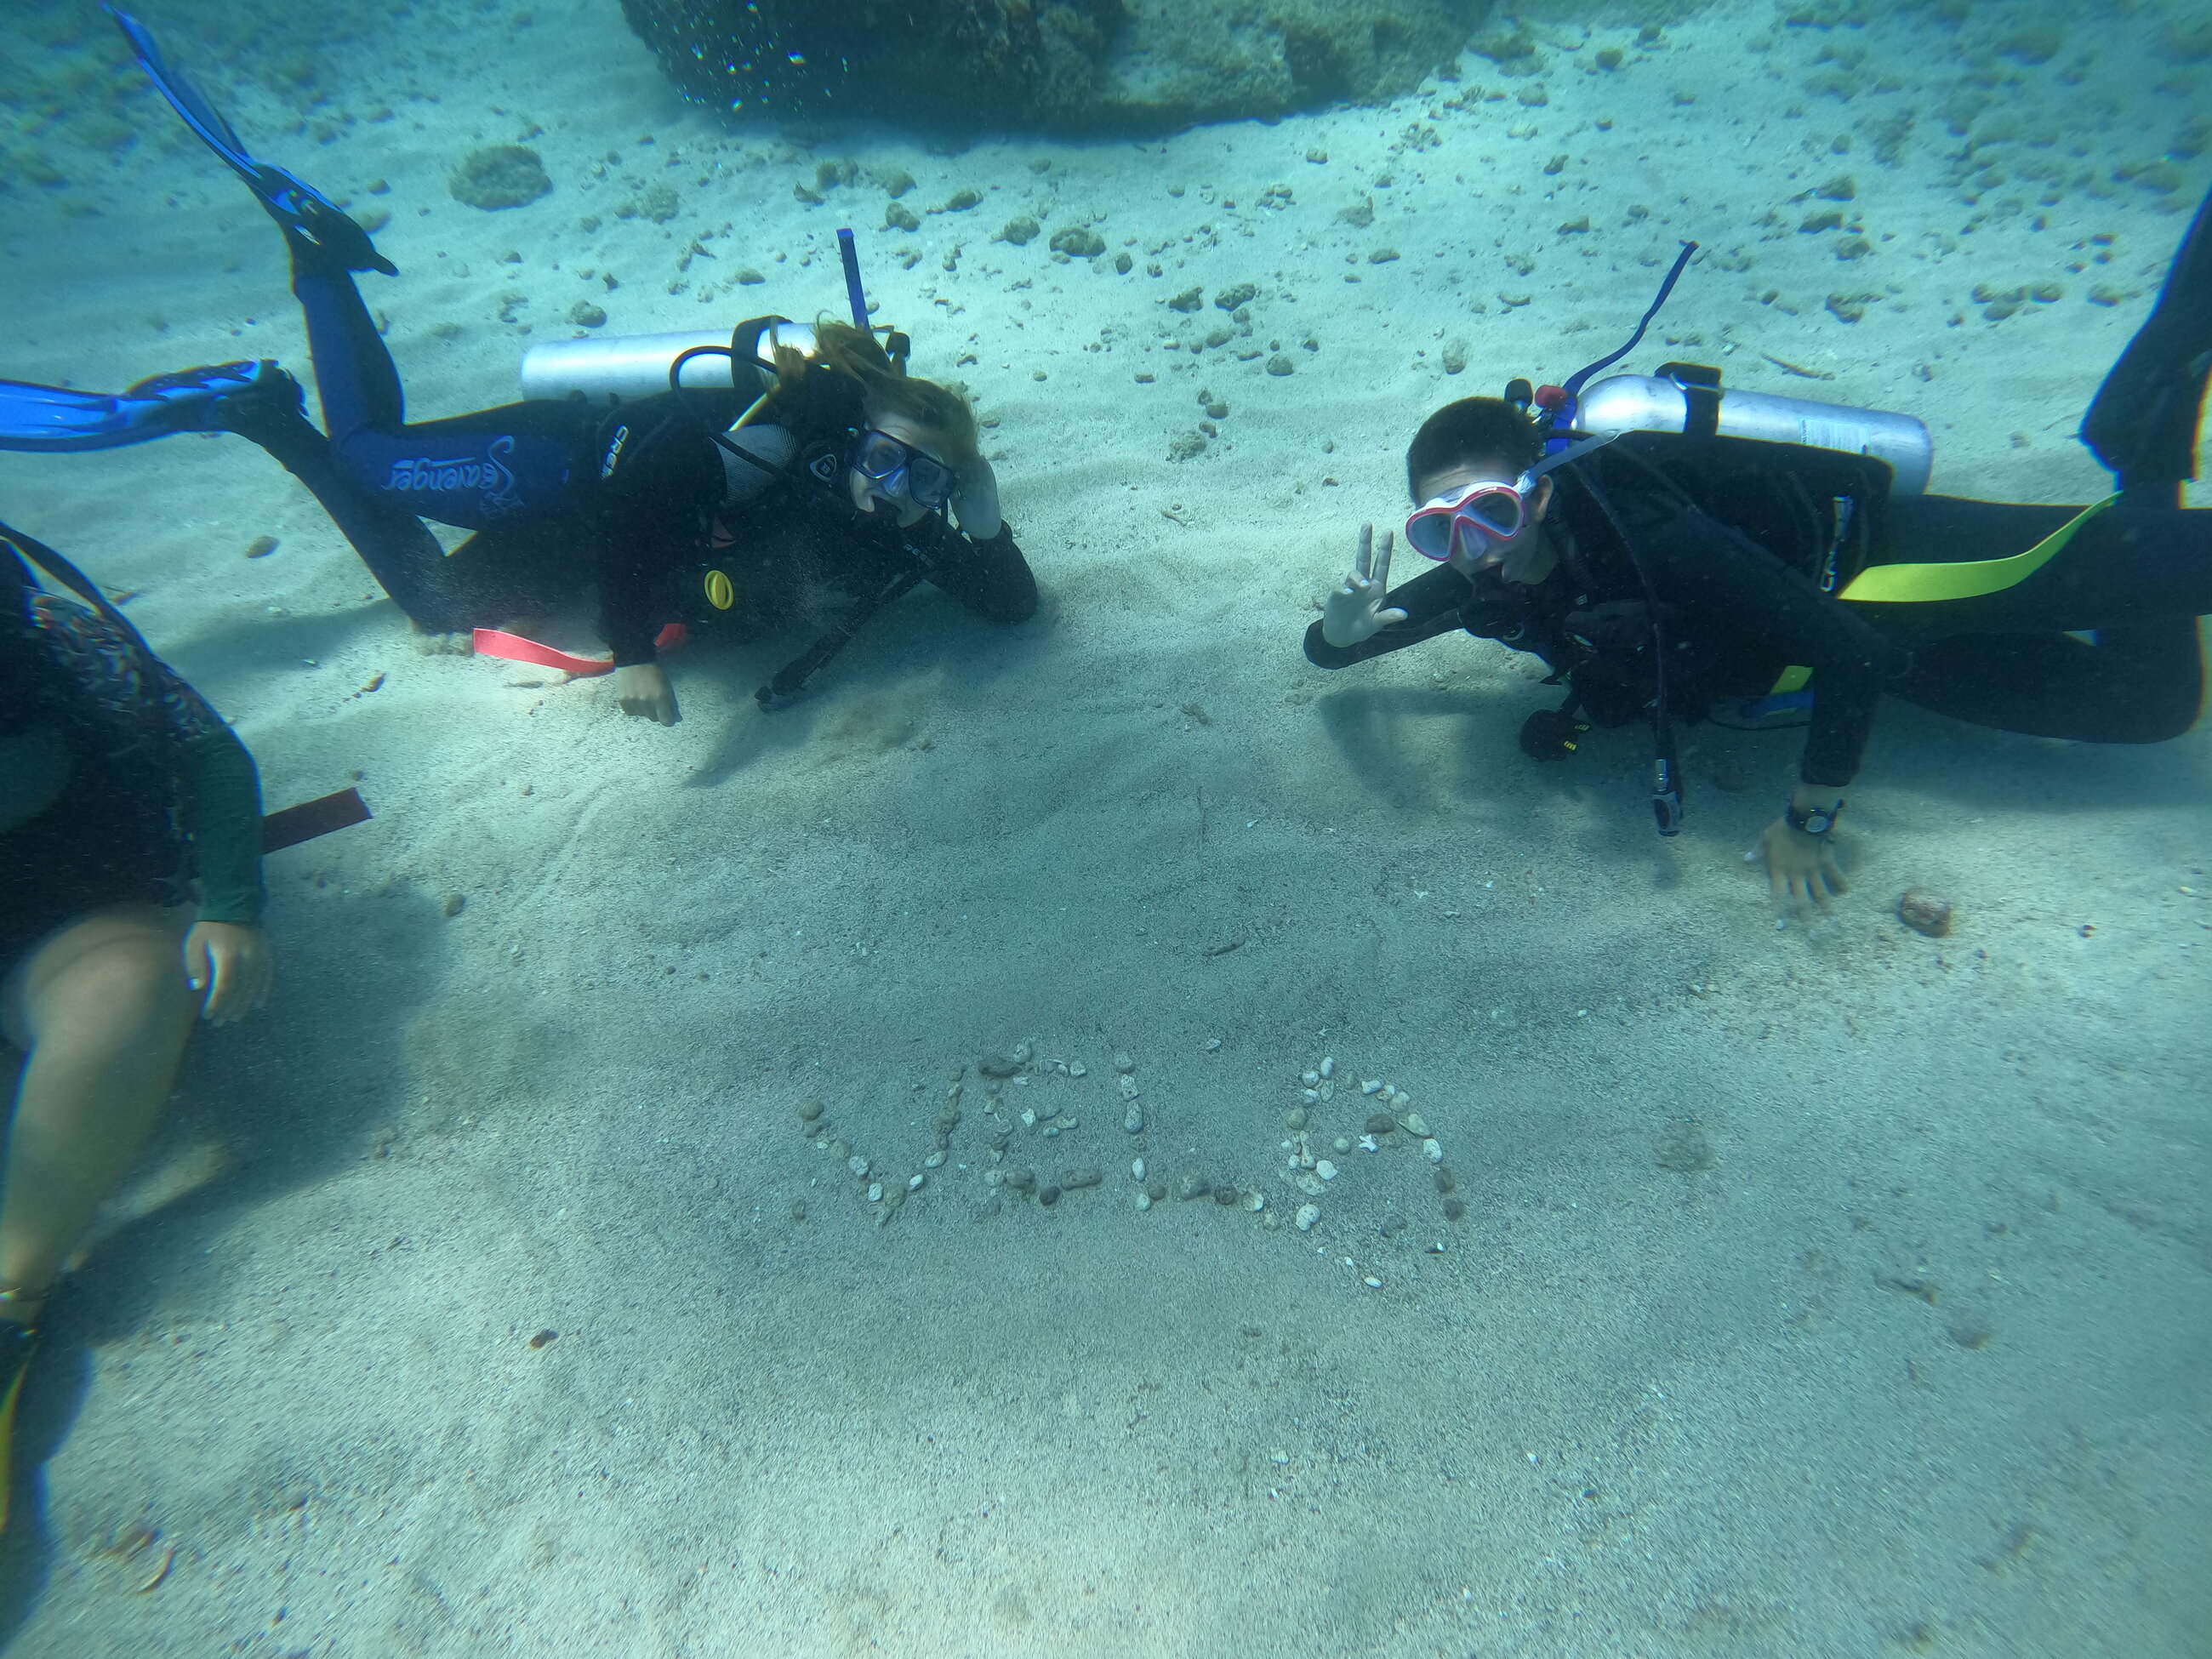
x,y
507,1284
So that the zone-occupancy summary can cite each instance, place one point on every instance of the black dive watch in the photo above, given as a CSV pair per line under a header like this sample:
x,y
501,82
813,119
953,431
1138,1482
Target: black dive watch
x,y
1813,821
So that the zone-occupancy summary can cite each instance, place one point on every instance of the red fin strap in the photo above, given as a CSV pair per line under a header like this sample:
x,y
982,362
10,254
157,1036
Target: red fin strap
x,y
492,642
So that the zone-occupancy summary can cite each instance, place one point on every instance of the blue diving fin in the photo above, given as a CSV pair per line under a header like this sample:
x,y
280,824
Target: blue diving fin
x,y
304,211
226,397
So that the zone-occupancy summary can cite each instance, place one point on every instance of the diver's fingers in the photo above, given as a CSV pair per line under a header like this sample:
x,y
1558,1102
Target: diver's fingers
x,y
1804,892
1393,615
220,1007
1834,876
1365,562
1382,561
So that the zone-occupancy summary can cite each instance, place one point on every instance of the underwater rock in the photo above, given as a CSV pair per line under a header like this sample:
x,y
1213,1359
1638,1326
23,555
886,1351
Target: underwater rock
x,y
1123,64
500,176
1077,243
656,204
1925,914
1020,232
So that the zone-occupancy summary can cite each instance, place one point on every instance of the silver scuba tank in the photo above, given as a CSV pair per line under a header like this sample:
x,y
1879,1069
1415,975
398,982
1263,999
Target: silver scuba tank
x,y
1642,402
608,370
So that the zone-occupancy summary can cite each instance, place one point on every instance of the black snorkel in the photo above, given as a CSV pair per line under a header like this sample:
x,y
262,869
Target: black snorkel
x,y
1556,424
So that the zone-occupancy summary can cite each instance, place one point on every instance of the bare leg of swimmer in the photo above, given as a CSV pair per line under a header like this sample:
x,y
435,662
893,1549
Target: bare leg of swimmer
x,y
102,1010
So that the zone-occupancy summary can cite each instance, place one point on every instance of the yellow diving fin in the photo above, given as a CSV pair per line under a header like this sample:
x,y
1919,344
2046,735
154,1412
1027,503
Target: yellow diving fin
x,y
1920,584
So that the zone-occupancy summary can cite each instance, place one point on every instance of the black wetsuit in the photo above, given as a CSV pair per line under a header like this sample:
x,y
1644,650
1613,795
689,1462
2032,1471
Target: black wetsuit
x,y
1739,613
564,494
1736,549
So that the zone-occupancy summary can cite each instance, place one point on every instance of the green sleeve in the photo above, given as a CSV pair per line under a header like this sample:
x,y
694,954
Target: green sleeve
x,y
222,811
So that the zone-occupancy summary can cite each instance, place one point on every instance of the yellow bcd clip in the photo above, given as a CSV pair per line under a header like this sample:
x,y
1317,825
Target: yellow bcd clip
x,y
722,592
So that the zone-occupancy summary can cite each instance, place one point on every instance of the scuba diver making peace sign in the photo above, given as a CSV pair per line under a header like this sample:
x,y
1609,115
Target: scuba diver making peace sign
x,y
1669,549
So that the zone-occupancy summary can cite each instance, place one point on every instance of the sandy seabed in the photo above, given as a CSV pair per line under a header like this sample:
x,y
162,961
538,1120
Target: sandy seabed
x,y
1827,1291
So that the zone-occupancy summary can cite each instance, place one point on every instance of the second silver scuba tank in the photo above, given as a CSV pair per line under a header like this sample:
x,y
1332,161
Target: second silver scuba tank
x,y
606,370
1685,402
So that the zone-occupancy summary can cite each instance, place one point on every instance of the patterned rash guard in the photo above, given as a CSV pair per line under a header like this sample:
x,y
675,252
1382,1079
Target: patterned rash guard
x,y
113,789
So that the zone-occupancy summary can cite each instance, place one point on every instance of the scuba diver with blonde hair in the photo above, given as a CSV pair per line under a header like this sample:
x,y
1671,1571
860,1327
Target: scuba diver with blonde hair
x,y
794,470
1670,550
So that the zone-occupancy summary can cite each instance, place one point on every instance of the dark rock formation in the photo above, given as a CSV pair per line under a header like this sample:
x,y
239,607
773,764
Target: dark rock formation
x,y
1051,63
500,176
1179,61
944,62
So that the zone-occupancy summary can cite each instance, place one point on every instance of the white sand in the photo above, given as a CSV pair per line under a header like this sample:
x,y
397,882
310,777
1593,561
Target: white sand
x,y
1629,1408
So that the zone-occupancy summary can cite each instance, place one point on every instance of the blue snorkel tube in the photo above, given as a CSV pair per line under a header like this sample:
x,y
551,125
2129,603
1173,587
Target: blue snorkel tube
x,y
896,346
1559,416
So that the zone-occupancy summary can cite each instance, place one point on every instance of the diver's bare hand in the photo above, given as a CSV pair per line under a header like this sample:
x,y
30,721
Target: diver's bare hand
x,y
642,690
1801,868
228,964
1353,613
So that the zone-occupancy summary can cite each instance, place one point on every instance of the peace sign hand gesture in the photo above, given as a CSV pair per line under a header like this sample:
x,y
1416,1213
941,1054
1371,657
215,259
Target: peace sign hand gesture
x,y
1352,614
